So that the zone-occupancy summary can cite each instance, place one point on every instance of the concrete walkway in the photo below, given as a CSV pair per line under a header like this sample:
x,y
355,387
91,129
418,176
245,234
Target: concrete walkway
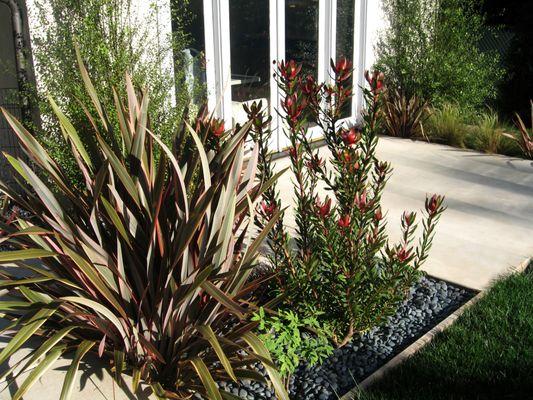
x,y
488,226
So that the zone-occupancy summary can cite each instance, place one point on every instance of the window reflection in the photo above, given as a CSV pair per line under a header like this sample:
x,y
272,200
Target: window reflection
x,y
188,17
344,38
250,54
301,33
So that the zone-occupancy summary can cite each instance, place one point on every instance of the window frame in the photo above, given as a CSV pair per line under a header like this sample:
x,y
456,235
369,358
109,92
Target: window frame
x,y
218,59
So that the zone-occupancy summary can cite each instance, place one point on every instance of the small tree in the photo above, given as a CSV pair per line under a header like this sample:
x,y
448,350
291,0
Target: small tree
x,y
429,49
113,41
344,269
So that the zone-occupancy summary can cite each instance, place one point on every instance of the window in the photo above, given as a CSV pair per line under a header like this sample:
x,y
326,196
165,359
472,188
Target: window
x,y
241,38
301,33
250,55
345,41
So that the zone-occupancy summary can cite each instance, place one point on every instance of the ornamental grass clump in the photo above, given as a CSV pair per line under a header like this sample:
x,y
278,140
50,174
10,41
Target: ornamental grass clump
x,y
147,265
344,266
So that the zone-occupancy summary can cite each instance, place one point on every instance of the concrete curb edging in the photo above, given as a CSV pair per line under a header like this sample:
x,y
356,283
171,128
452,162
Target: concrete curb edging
x,y
423,340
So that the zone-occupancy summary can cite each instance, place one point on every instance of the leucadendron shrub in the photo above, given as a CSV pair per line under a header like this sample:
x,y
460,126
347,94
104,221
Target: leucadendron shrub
x,y
343,266
147,265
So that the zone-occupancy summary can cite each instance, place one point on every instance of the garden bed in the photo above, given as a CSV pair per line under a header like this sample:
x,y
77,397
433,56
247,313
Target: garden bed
x,y
430,301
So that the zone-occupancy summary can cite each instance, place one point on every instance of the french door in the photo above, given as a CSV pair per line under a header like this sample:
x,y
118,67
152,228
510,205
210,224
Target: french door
x,y
243,38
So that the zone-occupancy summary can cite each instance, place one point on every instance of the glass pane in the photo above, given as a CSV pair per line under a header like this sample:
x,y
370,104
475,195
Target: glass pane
x,y
301,33
188,25
345,32
250,54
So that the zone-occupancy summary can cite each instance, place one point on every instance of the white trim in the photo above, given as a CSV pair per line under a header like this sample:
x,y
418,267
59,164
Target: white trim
x,y
218,58
359,54
277,53
327,35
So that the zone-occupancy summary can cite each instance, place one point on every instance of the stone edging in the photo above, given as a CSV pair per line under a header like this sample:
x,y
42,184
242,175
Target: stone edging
x,y
423,340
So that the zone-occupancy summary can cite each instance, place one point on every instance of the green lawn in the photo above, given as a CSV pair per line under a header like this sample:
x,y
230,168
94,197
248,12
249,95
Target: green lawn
x,y
486,354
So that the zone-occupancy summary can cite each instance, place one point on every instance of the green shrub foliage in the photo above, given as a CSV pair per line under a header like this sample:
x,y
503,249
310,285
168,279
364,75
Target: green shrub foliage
x,y
429,49
113,41
147,265
290,338
343,266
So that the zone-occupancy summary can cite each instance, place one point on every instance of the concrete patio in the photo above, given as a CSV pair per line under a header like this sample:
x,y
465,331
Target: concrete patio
x,y
488,226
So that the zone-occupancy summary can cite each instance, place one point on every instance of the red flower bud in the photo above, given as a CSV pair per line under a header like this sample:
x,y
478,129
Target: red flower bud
x,y
344,221
324,208
315,163
434,204
408,218
361,201
378,215
268,209
350,137
292,152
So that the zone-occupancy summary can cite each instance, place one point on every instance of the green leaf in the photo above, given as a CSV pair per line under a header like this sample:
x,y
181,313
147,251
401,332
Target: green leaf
x,y
115,219
259,348
70,131
39,371
68,384
46,346
209,383
224,299
209,335
27,331
27,254
98,308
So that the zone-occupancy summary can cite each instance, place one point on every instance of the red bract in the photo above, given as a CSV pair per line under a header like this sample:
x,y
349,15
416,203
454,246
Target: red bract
x,y
289,70
268,209
361,201
350,137
217,127
344,221
403,254
375,81
310,86
342,69
325,208
434,204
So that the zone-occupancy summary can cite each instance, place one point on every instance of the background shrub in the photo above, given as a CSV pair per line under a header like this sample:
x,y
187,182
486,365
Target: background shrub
x,y
429,49
446,124
113,41
403,116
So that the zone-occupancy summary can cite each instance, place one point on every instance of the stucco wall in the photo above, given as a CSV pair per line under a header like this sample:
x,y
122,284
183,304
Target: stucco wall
x,y
375,23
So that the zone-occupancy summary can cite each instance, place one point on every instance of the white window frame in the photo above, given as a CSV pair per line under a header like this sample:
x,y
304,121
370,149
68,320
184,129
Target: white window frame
x,y
218,58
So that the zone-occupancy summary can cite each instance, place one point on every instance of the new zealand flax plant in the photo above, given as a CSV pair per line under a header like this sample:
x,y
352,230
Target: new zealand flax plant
x,y
147,266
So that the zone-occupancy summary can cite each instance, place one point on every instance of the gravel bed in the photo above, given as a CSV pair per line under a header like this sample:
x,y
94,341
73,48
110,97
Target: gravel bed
x,y
430,301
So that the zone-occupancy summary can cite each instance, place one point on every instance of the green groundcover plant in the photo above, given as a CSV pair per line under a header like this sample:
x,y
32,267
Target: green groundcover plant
x,y
343,268
147,265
